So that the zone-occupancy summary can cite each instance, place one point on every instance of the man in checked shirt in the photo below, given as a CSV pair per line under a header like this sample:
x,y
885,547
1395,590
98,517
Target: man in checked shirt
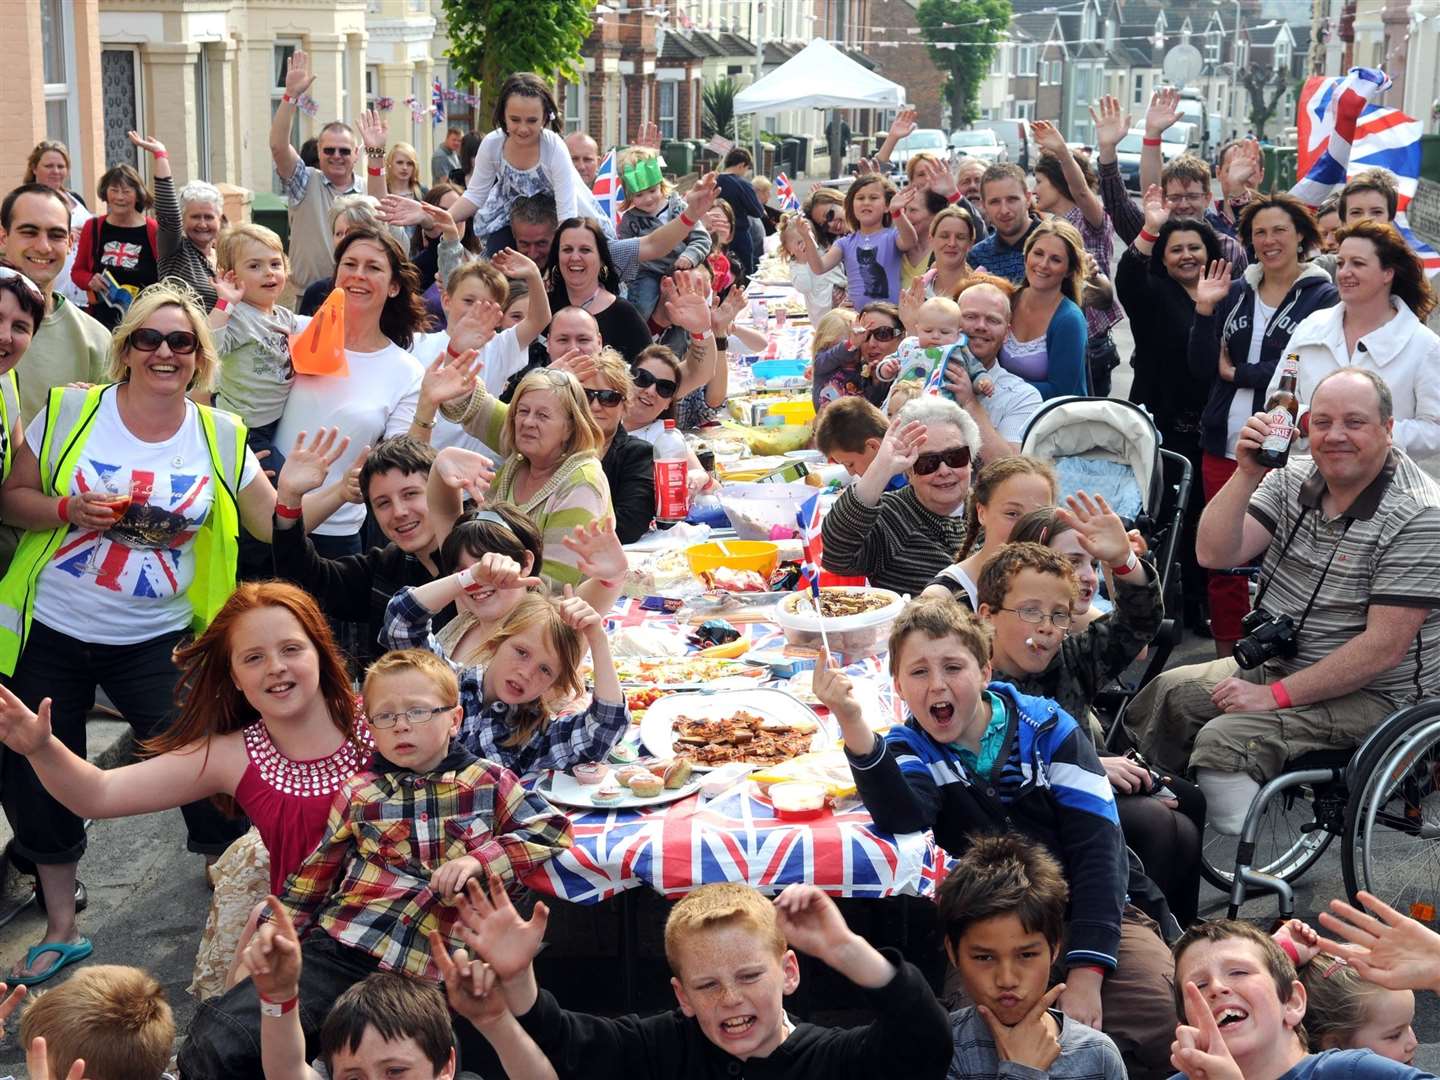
x,y
402,839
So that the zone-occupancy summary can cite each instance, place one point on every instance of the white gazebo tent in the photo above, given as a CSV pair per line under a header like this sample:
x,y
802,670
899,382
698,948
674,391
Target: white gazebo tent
x,y
820,76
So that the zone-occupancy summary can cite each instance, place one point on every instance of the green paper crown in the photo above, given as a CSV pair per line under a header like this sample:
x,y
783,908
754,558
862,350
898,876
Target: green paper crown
x,y
642,176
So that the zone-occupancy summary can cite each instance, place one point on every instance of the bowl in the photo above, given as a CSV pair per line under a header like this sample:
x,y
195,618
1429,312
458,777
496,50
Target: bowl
x,y
755,509
758,555
852,637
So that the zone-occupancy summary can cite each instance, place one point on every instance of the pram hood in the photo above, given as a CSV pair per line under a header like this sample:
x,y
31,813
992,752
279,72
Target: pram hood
x,y
1103,429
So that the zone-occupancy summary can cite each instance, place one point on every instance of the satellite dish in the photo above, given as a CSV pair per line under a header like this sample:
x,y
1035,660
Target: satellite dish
x,y
1183,65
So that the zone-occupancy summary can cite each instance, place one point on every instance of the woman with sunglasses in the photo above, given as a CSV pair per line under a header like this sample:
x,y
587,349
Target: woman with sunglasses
x,y
132,546
628,461
657,378
902,539
188,227
849,368
581,274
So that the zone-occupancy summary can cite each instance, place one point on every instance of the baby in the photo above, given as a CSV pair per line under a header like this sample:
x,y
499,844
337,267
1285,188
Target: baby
x,y
923,358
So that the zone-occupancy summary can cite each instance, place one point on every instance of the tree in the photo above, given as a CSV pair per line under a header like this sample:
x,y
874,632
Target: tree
x,y
719,100
1265,87
543,36
961,36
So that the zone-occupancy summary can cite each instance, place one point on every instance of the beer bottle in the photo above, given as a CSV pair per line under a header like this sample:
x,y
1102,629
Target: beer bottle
x,y
1283,411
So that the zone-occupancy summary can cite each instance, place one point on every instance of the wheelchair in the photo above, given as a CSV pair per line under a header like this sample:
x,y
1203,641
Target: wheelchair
x,y
1381,799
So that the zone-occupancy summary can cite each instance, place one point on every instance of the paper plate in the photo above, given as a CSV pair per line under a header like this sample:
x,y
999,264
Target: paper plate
x,y
564,790
657,729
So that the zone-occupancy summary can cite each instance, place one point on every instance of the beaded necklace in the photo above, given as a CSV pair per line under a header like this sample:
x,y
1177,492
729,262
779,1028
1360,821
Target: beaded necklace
x,y
319,777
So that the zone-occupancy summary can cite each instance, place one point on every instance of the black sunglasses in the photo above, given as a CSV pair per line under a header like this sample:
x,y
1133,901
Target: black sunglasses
x,y
336,151
181,342
664,387
608,398
880,333
957,458
830,215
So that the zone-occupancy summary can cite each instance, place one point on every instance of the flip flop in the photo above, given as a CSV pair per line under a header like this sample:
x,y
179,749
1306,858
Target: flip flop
x,y
65,953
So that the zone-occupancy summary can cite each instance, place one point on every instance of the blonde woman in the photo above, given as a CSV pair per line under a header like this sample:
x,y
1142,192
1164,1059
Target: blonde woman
x,y
401,172
1046,343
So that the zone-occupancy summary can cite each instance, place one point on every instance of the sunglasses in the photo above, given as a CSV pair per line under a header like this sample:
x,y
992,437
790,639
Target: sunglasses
x,y
664,387
880,333
830,216
9,274
926,464
608,398
181,342
336,151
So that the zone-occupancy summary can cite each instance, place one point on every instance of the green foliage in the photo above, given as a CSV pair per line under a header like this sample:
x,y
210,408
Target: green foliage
x,y
719,100
543,36
976,27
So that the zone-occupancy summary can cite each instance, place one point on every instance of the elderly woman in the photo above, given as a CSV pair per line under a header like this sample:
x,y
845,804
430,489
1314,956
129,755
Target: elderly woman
x,y
553,472
581,274
628,462
188,228
902,539
121,562
121,242
49,164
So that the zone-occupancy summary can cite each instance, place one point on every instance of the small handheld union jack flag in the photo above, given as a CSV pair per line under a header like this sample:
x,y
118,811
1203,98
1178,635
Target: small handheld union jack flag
x,y
608,190
785,191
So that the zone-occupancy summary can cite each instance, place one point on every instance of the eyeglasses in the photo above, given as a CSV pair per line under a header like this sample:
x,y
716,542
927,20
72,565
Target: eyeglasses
x,y
880,333
181,342
608,398
415,716
1182,198
1034,616
926,464
10,274
336,151
664,387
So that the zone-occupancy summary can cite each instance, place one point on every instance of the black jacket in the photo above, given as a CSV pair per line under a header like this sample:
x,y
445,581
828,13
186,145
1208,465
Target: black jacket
x,y
629,465
1232,323
1161,312
909,1040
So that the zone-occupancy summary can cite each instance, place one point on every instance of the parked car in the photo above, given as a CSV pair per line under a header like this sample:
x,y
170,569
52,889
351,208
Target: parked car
x,y
1014,136
1175,141
980,143
931,140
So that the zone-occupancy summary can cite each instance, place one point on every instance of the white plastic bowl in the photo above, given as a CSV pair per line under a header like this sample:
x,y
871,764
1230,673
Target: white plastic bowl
x,y
851,636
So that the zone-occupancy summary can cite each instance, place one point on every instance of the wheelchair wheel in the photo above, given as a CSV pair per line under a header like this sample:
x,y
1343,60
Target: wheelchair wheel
x,y
1293,834
1391,842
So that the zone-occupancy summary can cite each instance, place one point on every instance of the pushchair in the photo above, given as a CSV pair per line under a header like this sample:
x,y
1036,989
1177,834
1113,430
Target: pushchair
x,y
1112,447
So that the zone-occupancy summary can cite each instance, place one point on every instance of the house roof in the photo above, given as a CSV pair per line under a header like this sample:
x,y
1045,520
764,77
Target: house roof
x,y
859,57
777,52
673,46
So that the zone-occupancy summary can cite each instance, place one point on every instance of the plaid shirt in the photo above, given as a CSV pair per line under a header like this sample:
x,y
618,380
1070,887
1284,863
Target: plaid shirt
x,y
367,884
1100,243
565,741
999,258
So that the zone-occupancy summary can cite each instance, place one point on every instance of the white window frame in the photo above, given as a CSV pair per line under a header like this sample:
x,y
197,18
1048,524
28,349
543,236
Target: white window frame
x,y
998,61
61,91
1051,72
1027,60
1284,54
202,119
1138,98
1024,110
1212,47
669,123
574,96
277,91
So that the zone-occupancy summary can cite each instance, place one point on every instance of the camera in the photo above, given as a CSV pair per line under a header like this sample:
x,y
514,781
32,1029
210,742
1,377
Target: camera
x,y
1267,637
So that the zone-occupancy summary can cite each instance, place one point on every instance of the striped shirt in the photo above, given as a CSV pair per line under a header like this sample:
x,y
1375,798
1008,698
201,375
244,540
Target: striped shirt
x,y
1085,1054
1100,243
485,727
177,255
367,884
1386,550
897,544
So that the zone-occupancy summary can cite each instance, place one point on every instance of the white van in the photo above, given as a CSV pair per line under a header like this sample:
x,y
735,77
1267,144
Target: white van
x,y
1014,135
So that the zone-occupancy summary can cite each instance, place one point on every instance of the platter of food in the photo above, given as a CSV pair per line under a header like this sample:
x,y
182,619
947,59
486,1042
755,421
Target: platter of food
x,y
621,787
676,672
758,727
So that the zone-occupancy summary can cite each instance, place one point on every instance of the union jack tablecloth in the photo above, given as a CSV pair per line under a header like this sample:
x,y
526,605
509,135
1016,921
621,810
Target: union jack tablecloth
x,y
737,837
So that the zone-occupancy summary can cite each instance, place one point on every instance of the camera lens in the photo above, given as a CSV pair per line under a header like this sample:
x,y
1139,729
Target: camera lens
x,y
1249,654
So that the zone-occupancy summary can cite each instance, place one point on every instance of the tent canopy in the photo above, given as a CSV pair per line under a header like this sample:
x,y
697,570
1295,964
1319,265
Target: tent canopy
x,y
820,76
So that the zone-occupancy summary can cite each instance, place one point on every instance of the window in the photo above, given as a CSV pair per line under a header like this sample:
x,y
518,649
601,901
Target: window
x,y
998,61
574,107
1212,47
1050,73
200,168
1139,98
372,86
669,95
62,111
282,53
1025,110
1087,24
1027,60
1283,54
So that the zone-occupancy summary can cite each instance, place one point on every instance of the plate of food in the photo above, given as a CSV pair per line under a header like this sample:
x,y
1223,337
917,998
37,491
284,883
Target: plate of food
x,y
758,727
675,672
621,787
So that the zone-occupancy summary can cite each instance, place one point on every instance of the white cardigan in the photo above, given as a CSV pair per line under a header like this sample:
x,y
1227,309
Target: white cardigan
x,y
1404,352
554,163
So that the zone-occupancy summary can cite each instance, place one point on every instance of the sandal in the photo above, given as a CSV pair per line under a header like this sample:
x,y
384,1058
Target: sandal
x,y
65,954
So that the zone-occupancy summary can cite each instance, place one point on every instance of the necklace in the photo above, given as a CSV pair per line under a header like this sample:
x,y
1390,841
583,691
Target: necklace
x,y
322,776
585,304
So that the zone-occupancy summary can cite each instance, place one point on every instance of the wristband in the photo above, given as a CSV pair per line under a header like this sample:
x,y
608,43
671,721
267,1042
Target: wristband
x,y
1090,967
1148,236
954,197
62,508
160,154
426,424
289,513
221,304
1128,567
687,220
277,1008
699,337
611,584
375,151
1147,141
287,99
1281,695
1288,948
374,170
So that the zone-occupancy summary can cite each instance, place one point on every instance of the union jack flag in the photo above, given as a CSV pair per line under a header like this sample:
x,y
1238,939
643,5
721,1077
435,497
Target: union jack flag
x,y
608,190
786,191
1342,132
437,102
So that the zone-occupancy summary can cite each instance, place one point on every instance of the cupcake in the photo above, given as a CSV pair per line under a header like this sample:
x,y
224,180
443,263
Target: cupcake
x,y
590,772
609,791
626,773
677,774
646,785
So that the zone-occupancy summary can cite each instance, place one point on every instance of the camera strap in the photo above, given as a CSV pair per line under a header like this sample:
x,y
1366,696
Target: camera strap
x,y
1314,595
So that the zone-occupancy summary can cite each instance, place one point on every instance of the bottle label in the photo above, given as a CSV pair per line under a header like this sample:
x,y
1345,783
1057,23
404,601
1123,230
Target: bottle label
x,y
1282,428
670,490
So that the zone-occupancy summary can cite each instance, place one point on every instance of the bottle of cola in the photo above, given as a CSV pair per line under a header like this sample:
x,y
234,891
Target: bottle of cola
x,y
1283,413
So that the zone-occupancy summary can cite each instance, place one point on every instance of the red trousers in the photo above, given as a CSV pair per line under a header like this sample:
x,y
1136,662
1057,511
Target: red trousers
x,y
1229,593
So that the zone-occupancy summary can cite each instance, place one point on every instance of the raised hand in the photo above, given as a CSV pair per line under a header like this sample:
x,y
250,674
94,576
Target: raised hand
x,y
835,690
904,123
464,471
1212,287
434,217
272,956
1153,203
308,463
21,730
724,311
228,287
1386,948
899,448
701,197
470,985
1111,123
1199,1050
513,264
577,362
1033,1041
1049,137
1098,528
494,930
936,176
598,551
37,1062
451,377
374,129
494,572
351,489
686,301
649,135
450,877
150,145
401,210
580,616
298,76
811,922
911,301
903,200
1244,167
1304,939
1164,110
475,327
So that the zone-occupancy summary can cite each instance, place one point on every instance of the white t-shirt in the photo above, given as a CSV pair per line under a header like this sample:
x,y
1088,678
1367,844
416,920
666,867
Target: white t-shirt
x,y
144,563
502,357
1241,405
374,401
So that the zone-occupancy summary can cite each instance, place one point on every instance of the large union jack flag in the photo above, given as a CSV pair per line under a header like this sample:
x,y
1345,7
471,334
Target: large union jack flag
x,y
1342,132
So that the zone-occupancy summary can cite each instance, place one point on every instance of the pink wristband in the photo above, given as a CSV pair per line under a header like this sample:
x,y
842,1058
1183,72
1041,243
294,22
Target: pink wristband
x,y
161,153
1281,695
1288,948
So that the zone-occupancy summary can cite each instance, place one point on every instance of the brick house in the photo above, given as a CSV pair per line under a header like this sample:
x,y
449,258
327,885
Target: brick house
x,y
906,60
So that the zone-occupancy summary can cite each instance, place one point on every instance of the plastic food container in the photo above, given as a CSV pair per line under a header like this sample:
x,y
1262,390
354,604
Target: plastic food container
x,y
853,637
798,800
758,555
755,510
